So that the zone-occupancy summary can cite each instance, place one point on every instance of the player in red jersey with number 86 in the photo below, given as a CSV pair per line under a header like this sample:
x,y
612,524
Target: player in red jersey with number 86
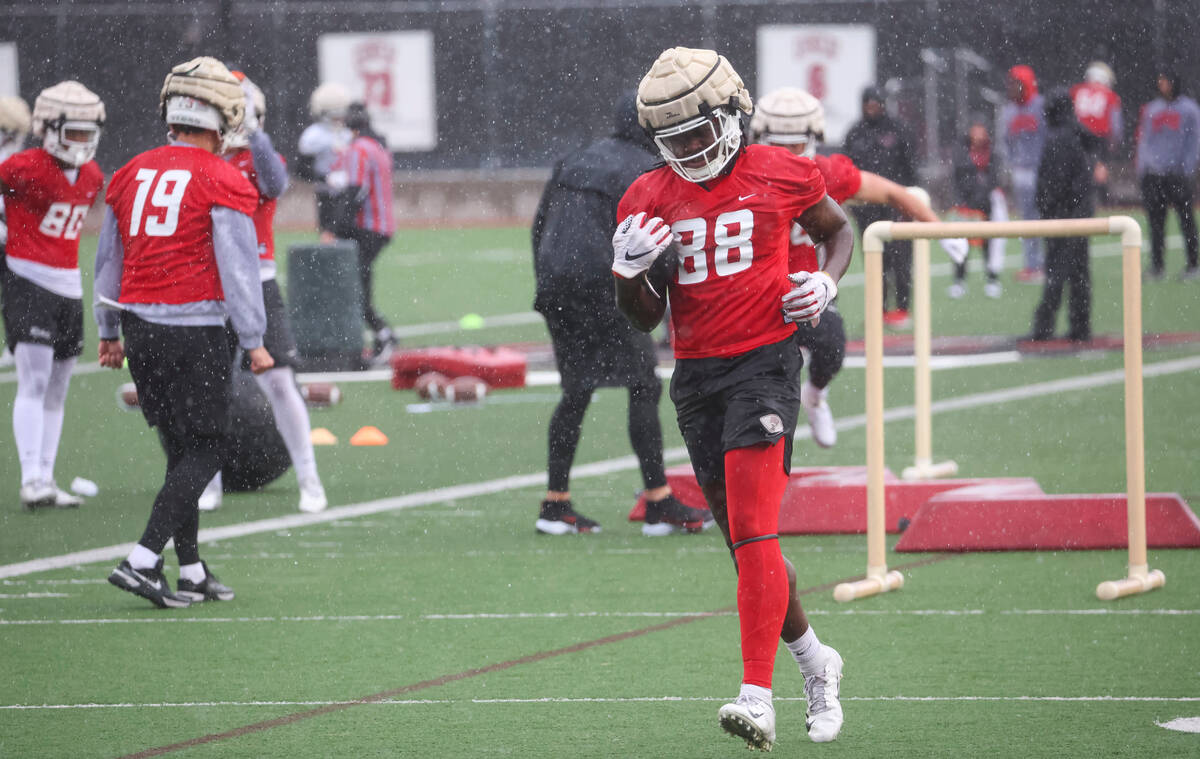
x,y
728,208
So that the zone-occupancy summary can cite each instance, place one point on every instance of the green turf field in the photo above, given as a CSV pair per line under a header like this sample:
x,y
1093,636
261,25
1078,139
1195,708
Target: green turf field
x,y
422,617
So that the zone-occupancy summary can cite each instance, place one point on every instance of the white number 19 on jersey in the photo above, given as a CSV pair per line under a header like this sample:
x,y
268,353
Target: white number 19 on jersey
x,y
168,195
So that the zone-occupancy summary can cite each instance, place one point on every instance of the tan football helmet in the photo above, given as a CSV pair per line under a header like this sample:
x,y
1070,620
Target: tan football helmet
x,y
329,102
1099,71
69,117
789,116
689,101
202,93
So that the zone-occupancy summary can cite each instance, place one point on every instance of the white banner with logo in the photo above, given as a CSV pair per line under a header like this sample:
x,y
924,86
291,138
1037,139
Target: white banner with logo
x,y
392,73
10,83
834,62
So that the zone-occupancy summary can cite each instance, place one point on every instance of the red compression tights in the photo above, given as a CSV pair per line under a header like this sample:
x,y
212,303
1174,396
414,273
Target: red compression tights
x,y
754,485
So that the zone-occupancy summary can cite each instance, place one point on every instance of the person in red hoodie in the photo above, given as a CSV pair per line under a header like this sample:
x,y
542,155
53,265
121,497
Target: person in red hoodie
x,y
47,192
177,256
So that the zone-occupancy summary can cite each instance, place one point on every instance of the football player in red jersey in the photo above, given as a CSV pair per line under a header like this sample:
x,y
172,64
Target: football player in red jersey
x,y
729,208
177,256
47,193
252,153
15,122
793,119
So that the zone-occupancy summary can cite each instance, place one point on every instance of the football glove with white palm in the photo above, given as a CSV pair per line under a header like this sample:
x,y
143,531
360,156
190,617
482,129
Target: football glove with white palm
x,y
812,294
637,243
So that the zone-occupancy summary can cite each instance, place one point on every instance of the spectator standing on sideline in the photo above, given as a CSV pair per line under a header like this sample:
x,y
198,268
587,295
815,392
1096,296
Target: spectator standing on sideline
x,y
14,127
594,345
47,193
1023,131
366,167
1098,109
320,144
252,153
177,256
1065,191
882,145
976,197
1167,151
729,208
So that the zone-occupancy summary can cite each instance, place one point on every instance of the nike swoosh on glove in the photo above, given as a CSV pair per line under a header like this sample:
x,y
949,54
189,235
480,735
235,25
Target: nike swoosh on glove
x,y
812,294
637,243
956,248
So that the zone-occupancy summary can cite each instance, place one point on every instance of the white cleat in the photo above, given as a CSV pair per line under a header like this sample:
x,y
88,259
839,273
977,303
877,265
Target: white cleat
x,y
820,418
65,500
750,718
37,494
312,496
957,290
993,289
823,690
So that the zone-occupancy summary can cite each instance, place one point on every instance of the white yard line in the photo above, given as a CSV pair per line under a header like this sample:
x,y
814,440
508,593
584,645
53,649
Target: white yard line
x,y
556,615
592,700
595,469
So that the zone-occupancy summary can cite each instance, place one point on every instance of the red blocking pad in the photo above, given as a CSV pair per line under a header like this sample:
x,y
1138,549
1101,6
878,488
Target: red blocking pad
x,y
498,367
954,521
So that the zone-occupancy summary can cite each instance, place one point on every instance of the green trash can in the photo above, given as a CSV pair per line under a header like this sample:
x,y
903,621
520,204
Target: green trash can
x,y
325,305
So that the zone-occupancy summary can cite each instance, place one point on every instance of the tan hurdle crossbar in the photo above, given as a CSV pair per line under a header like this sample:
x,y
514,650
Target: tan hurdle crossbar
x,y
879,579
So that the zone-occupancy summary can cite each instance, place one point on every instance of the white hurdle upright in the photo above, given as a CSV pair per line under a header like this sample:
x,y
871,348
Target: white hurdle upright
x,y
923,467
879,580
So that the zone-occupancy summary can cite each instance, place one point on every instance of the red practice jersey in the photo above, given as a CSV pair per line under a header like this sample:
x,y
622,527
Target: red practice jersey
x,y
1097,108
842,182
45,209
264,215
733,247
163,201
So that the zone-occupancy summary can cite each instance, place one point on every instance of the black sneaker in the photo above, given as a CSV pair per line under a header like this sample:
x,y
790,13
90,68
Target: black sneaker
x,y
559,518
150,584
209,589
670,515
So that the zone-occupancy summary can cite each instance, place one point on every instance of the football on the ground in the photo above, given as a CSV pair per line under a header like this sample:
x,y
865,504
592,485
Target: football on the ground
x,y
127,399
466,389
321,394
431,386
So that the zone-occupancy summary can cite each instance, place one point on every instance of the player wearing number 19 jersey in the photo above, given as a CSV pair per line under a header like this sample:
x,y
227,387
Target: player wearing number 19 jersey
x,y
47,192
734,306
177,256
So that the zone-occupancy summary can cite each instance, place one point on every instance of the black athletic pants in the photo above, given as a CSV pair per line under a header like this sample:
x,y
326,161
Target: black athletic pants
x,y
182,376
1160,192
1066,264
369,246
897,256
645,434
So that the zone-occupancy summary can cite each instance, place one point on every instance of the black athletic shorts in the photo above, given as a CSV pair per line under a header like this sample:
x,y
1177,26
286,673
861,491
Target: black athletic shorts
x,y
33,314
727,403
278,339
182,375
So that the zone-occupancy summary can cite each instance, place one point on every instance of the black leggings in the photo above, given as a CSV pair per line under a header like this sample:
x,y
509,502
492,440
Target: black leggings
x,y
645,434
1163,191
191,462
369,246
826,344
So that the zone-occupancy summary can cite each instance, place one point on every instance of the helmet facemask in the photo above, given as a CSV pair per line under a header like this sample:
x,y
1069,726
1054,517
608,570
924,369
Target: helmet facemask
x,y
72,142
69,118
700,148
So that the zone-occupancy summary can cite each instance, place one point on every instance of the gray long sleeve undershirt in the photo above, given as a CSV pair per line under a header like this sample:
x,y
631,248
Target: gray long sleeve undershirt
x,y
235,247
268,166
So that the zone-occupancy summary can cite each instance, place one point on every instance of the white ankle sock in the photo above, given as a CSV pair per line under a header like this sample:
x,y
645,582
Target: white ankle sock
x,y
142,557
805,650
192,572
757,691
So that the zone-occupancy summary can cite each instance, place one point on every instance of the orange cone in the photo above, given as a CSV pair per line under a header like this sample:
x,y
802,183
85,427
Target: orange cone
x,y
322,436
369,436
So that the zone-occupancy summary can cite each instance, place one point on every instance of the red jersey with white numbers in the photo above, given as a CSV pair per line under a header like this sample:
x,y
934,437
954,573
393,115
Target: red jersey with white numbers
x,y
45,209
264,215
732,236
163,201
1097,107
842,182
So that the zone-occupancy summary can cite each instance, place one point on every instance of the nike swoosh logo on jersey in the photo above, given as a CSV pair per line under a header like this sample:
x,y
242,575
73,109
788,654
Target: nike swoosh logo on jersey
x,y
744,197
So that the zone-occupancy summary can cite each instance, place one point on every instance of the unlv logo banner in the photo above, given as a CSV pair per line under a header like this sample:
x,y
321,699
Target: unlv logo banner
x,y
833,62
392,73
